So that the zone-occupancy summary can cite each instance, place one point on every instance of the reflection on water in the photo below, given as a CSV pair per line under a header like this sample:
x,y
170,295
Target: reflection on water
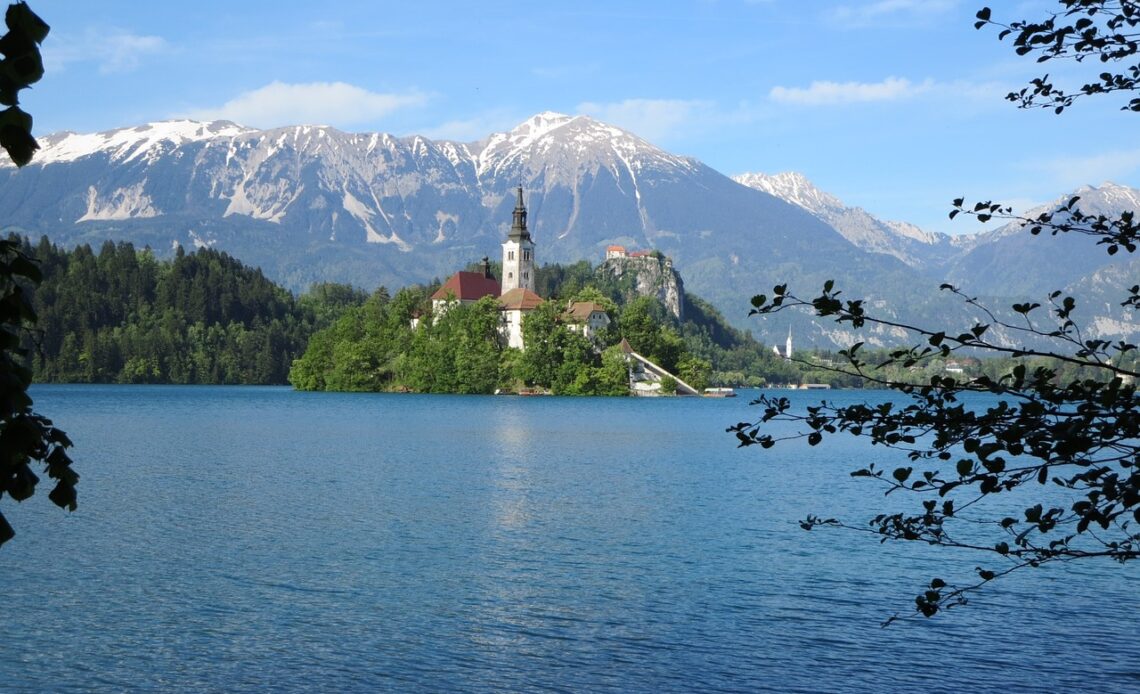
x,y
243,539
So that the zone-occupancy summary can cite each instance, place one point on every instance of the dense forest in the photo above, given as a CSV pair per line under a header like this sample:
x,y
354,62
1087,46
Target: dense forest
x,y
119,315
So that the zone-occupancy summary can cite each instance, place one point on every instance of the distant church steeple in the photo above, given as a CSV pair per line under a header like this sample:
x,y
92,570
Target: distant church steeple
x,y
518,251
788,345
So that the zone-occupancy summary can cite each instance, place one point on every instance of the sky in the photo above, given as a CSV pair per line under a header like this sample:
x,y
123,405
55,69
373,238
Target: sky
x,y
895,106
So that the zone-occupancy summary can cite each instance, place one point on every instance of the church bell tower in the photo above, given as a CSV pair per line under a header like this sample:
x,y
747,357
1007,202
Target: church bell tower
x,y
518,252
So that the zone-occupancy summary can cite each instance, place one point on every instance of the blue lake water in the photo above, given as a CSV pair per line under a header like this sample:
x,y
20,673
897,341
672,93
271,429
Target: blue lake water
x,y
244,539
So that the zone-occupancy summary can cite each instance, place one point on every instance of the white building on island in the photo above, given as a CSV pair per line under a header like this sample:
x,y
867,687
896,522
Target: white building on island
x,y
587,318
517,297
515,290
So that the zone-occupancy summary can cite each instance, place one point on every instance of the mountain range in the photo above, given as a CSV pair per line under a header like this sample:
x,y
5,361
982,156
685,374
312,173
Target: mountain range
x,y
312,203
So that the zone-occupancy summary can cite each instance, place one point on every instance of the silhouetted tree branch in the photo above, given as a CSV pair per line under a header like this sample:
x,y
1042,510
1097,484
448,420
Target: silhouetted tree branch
x,y
1107,31
1065,416
24,435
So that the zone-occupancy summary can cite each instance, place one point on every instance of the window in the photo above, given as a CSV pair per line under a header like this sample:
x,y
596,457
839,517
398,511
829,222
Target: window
x,y
510,275
526,255
526,275
510,255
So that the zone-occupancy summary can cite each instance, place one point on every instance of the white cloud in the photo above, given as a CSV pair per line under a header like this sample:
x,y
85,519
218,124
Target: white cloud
x,y
652,119
475,128
890,11
1073,172
112,49
825,93
315,103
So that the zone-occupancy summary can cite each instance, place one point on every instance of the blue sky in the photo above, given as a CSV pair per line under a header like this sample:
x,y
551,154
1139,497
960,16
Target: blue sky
x,y
892,105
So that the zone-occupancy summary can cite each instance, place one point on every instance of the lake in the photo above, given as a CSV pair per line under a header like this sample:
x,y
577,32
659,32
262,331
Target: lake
x,y
245,539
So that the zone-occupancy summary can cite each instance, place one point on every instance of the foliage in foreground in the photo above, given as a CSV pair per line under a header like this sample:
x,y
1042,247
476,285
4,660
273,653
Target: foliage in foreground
x,y
25,436
1048,468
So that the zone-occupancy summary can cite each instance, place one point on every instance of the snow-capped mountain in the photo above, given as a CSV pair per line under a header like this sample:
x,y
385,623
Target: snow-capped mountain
x,y
313,203
309,203
125,144
1010,261
371,187
1002,262
907,242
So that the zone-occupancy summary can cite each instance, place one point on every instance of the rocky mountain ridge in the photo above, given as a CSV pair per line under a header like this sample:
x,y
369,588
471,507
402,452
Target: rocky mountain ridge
x,y
1003,261
311,203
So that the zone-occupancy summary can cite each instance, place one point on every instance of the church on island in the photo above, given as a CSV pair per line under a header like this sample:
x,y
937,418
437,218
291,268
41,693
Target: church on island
x,y
515,291
517,298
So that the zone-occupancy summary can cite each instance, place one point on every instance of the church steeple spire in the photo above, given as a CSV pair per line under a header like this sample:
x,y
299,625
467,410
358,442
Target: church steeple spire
x,y
518,252
518,225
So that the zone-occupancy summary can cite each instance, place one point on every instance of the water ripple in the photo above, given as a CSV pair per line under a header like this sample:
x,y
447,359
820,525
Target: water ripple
x,y
259,539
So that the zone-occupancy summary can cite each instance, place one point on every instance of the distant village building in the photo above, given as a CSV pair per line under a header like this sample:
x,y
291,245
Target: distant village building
x,y
587,318
615,252
787,347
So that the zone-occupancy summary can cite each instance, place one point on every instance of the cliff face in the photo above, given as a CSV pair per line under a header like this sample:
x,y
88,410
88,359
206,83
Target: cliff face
x,y
646,275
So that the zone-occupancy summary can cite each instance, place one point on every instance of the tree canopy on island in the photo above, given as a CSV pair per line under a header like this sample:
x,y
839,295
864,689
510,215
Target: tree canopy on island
x,y
1058,434
374,346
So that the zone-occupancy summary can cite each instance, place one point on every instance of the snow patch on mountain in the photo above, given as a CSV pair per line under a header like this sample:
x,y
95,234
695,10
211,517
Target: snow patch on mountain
x,y
268,201
795,188
359,210
444,219
913,231
121,203
199,241
902,240
558,149
1109,199
128,144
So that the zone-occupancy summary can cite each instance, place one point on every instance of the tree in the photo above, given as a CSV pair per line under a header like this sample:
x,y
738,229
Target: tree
x,y
645,324
24,435
1104,30
1067,412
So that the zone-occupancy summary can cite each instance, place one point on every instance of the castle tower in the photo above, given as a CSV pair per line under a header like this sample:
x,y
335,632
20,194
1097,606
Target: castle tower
x,y
788,345
518,252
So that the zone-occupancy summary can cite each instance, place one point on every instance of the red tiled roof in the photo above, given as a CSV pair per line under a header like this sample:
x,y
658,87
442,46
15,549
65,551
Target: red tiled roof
x,y
521,299
467,286
615,248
